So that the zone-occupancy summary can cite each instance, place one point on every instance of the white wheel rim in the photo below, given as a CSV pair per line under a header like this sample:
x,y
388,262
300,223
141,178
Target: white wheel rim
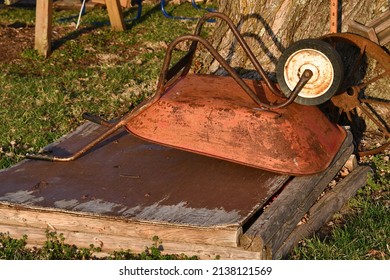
x,y
318,63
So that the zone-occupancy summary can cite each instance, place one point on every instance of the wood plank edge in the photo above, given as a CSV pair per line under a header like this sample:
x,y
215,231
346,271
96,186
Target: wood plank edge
x,y
322,211
16,215
278,237
267,227
109,243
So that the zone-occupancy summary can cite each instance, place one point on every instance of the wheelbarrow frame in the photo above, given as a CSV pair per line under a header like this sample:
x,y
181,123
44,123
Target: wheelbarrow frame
x,y
168,76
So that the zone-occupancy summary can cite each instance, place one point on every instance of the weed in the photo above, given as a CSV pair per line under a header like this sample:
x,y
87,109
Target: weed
x,y
14,249
55,248
153,252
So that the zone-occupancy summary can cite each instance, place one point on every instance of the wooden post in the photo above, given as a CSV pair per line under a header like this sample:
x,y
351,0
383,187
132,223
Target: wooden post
x,y
43,23
115,13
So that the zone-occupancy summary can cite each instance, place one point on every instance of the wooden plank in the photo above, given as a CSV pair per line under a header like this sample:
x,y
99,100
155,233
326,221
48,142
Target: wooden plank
x,y
384,37
322,211
381,26
381,22
377,30
362,30
110,243
115,13
43,27
277,221
60,221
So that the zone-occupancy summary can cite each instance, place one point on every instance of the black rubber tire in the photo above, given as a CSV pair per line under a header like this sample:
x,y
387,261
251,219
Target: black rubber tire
x,y
326,50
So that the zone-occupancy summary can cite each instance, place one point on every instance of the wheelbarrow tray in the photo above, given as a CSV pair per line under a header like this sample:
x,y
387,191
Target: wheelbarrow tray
x,y
213,116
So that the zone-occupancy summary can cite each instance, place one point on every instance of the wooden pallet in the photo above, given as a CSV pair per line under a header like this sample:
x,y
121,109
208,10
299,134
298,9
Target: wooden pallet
x,y
126,191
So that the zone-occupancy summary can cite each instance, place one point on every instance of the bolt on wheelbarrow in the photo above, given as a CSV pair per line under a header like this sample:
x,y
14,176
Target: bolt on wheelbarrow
x,y
250,122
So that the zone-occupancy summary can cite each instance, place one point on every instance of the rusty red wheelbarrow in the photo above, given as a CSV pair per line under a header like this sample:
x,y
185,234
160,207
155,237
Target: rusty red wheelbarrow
x,y
249,122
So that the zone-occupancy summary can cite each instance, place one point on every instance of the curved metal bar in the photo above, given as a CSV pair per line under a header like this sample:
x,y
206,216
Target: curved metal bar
x,y
375,120
385,131
167,15
306,76
96,119
112,129
83,150
163,81
243,44
139,11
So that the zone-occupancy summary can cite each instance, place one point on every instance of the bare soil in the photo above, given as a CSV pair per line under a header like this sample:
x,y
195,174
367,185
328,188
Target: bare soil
x,y
14,40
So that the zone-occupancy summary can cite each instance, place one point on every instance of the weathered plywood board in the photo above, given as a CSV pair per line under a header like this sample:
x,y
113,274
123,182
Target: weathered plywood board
x,y
129,187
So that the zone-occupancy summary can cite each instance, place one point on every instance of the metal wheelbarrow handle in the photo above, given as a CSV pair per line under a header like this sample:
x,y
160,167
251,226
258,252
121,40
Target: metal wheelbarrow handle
x,y
170,76
242,42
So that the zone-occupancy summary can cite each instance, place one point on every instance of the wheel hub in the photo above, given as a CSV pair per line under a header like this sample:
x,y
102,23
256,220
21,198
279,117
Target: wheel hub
x,y
314,61
321,59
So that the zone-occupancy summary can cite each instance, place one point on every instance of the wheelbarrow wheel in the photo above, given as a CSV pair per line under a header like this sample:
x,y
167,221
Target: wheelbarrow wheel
x,y
317,56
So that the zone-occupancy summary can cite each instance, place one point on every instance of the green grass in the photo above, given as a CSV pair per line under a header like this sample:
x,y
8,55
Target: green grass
x,y
107,73
17,16
364,236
